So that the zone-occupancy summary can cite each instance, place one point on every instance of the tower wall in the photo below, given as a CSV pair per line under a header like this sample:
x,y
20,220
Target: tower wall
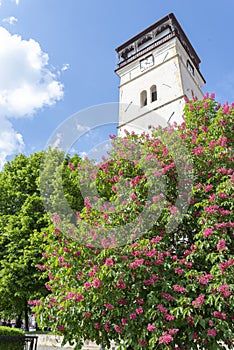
x,y
165,62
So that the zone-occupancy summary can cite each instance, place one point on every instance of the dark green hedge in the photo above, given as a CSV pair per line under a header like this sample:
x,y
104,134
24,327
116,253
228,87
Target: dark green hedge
x,y
11,331
11,338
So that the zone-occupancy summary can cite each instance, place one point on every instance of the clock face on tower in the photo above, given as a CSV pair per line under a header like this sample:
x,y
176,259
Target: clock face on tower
x,y
146,62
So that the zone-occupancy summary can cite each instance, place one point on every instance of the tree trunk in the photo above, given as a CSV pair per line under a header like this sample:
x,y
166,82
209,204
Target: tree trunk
x,y
18,322
26,316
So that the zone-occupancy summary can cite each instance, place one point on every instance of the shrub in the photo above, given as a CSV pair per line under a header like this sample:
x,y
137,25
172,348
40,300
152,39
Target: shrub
x,y
11,338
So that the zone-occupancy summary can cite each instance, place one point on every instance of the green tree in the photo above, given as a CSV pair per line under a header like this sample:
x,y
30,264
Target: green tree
x,y
23,223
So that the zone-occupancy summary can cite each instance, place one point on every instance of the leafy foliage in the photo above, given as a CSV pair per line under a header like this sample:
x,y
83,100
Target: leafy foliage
x,y
23,223
168,284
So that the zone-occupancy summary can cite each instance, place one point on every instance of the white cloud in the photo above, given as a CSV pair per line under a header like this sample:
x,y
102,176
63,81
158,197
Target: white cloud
x,y
82,128
15,1
27,84
83,155
11,142
65,67
57,141
11,20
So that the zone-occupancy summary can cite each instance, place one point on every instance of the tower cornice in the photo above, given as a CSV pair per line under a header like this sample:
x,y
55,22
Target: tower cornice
x,y
154,36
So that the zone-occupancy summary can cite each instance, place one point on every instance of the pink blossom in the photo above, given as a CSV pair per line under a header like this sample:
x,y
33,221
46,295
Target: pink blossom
x,y
179,289
212,198
211,323
220,315
165,338
222,142
109,306
35,302
199,186
169,317
96,282
142,342
226,264
107,326
224,290
161,308
189,264
167,296
173,331
70,295
121,285
221,245
79,297
156,240
61,328
56,219
87,203
207,232
118,329
173,209
124,320
190,320
199,301
133,196
41,267
151,327
139,310
198,151
222,195
204,128
109,262
212,144
48,287
204,280
226,110
133,316
211,332
61,259
211,209
87,285
136,263
140,301
97,325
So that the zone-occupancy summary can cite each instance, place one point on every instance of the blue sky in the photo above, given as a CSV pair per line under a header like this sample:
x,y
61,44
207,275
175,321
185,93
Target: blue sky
x,y
58,57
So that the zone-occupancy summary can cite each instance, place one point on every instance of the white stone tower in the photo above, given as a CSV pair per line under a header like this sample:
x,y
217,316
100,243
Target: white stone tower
x,y
157,68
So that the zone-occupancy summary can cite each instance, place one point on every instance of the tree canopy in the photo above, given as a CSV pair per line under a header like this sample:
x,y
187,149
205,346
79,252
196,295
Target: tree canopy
x,y
23,223
150,262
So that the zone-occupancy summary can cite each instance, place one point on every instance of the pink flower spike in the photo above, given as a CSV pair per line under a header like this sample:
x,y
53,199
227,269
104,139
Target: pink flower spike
x,y
221,245
211,332
151,327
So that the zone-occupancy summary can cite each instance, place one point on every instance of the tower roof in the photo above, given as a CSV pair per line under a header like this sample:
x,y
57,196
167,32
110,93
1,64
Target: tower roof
x,y
157,34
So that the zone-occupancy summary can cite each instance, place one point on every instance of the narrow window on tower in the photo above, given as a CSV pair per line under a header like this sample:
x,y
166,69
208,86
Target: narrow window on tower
x,y
143,98
190,67
153,93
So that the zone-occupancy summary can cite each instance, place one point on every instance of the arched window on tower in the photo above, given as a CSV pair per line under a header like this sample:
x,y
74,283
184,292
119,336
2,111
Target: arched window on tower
x,y
143,98
153,93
